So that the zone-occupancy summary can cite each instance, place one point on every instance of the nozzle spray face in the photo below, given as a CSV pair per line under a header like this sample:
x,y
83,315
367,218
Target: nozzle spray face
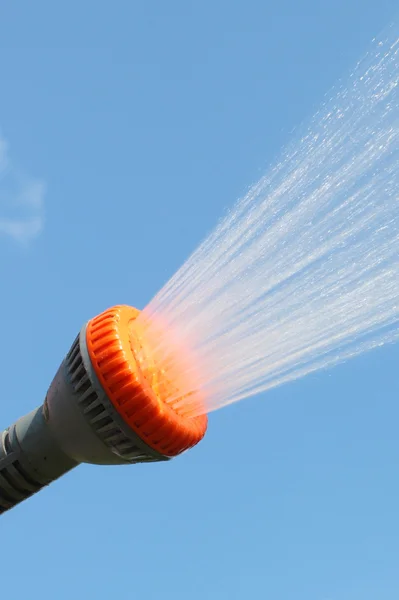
x,y
143,386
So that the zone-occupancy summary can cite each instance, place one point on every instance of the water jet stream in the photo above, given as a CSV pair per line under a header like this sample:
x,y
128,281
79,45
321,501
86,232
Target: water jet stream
x,y
304,271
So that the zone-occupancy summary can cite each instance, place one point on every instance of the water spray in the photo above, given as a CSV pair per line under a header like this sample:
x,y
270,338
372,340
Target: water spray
x,y
301,274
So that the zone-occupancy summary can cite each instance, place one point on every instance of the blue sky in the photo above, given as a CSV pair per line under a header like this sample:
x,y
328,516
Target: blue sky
x,y
127,131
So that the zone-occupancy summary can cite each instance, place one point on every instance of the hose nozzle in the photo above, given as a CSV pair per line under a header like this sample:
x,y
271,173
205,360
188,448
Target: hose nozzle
x,y
117,398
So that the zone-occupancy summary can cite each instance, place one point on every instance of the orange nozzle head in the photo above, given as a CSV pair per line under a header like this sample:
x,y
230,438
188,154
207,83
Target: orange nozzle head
x,y
153,391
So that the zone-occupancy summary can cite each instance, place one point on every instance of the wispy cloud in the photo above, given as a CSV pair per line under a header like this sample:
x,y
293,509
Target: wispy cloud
x,y
21,200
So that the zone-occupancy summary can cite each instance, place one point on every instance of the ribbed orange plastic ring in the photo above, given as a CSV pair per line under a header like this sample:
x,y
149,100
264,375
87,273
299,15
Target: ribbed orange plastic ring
x,y
112,356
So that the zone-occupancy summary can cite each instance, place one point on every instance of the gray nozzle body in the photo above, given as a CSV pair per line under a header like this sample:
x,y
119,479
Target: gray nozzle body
x,y
77,423
30,459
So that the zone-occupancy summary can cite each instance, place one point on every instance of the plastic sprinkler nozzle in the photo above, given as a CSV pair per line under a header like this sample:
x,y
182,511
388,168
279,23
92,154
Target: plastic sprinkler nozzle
x,y
111,402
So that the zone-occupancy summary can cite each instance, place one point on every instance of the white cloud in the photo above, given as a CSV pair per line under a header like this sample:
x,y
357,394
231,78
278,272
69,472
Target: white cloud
x,y
21,200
